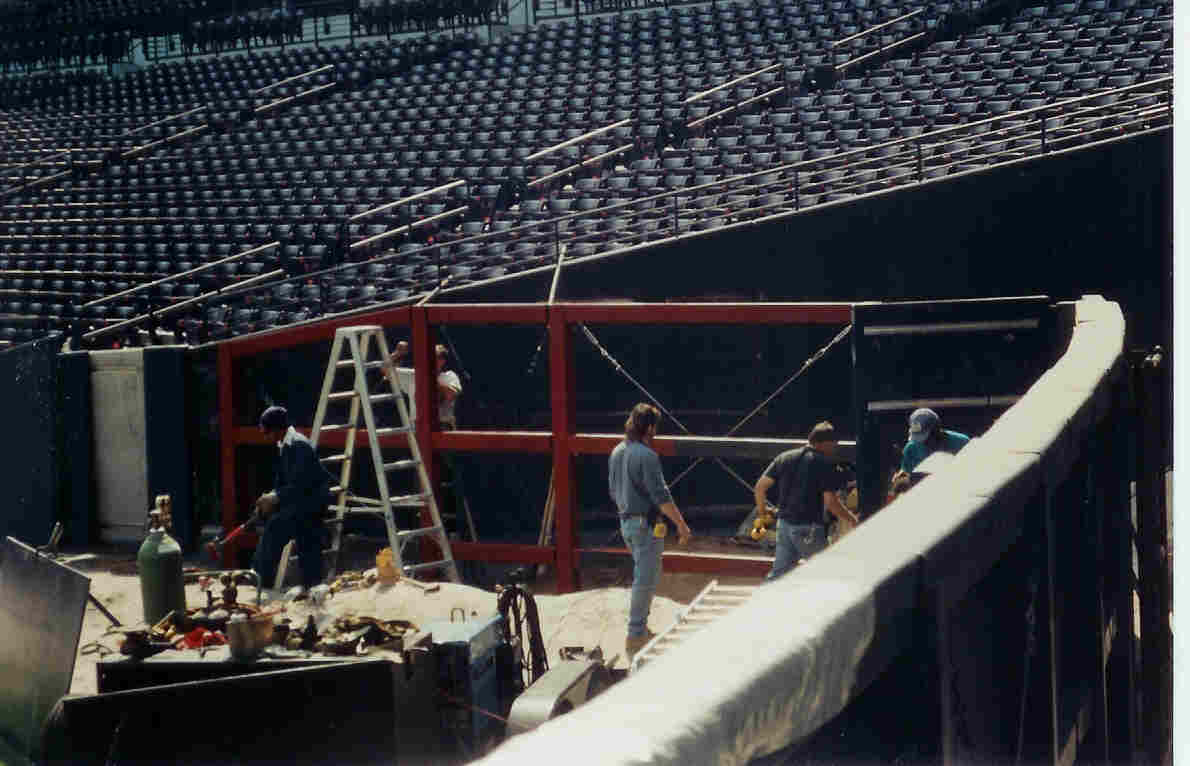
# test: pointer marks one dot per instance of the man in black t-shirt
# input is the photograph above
(806, 483)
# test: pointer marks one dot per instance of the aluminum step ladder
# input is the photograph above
(355, 351)
(712, 603)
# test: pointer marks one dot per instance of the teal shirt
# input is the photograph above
(915, 452)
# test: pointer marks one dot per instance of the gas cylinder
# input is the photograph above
(160, 564)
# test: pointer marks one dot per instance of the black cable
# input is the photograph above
(511, 597)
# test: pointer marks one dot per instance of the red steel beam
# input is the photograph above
(312, 332)
(562, 387)
(706, 313)
(701, 563)
(510, 553)
(227, 447)
(603, 444)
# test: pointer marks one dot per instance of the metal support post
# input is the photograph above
(425, 394)
(562, 389)
(1052, 649)
(1155, 636)
(946, 721)
(1122, 662)
(227, 447)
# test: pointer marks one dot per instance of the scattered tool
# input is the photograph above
(95, 647)
(215, 547)
(50, 549)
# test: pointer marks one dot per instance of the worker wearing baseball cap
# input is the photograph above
(294, 510)
(927, 436)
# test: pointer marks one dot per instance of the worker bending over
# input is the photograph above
(927, 436)
(449, 385)
(294, 510)
(640, 494)
(807, 483)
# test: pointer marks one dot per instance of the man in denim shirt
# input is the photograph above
(638, 487)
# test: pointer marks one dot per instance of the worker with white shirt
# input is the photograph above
(449, 385)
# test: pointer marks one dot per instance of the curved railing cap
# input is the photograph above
(793, 657)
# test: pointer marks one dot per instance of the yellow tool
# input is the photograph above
(659, 529)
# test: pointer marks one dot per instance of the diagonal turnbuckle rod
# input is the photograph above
(805, 366)
(620, 369)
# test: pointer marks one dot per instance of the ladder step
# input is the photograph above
(405, 534)
(334, 427)
(339, 396)
(333, 458)
(394, 430)
(409, 501)
(401, 465)
(344, 364)
(429, 565)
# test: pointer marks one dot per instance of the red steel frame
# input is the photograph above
(562, 442)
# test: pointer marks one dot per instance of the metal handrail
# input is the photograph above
(407, 227)
(162, 121)
(576, 140)
(388, 205)
(882, 50)
(722, 186)
(580, 165)
(180, 275)
(876, 28)
(289, 99)
(734, 107)
(730, 83)
(93, 334)
(279, 83)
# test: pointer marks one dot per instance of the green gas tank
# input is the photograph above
(160, 565)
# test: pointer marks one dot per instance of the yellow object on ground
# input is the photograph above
(385, 569)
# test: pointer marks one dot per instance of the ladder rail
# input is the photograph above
(692, 618)
(420, 466)
(359, 348)
(343, 495)
(328, 381)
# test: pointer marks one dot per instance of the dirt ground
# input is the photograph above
(595, 616)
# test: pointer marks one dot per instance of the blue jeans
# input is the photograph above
(795, 541)
(646, 557)
(301, 524)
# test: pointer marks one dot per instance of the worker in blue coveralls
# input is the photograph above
(927, 436)
(294, 509)
(641, 496)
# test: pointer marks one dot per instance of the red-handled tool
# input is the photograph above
(215, 547)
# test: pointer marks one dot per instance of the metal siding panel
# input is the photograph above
(41, 617)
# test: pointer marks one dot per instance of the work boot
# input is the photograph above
(634, 644)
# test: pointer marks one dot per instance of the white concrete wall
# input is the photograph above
(121, 464)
